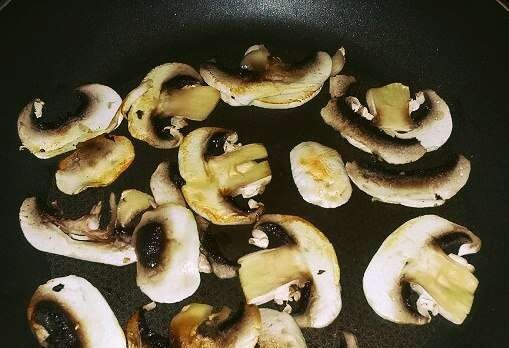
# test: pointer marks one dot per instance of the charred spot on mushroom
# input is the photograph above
(179, 82)
(276, 234)
(410, 297)
(139, 328)
(212, 249)
(298, 300)
(150, 244)
(162, 125)
(175, 176)
(61, 328)
(450, 243)
(215, 145)
(61, 110)
(220, 321)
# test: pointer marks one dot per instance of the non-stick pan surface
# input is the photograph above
(457, 48)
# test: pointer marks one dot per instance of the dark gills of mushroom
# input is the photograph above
(170, 93)
(268, 82)
(216, 169)
(140, 335)
(81, 238)
(306, 257)
(71, 312)
(412, 259)
(95, 163)
(427, 188)
(97, 115)
(198, 325)
(168, 248)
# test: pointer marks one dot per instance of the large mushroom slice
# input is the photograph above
(82, 238)
(265, 81)
(158, 107)
(304, 267)
(413, 259)
(95, 163)
(71, 312)
(279, 330)
(319, 174)
(216, 169)
(198, 325)
(427, 188)
(96, 115)
(168, 248)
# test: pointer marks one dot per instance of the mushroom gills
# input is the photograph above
(140, 335)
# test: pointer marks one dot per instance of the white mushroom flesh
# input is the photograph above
(279, 330)
(163, 188)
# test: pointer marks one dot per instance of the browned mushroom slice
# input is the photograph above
(140, 335)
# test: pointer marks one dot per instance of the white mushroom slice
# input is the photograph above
(96, 117)
(272, 83)
(279, 330)
(429, 188)
(319, 174)
(412, 257)
(338, 61)
(95, 163)
(172, 90)
(80, 239)
(307, 256)
(198, 326)
(212, 179)
(163, 188)
(132, 203)
(168, 249)
(71, 312)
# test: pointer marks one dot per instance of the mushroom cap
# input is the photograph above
(97, 118)
(93, 321)
(279, 330)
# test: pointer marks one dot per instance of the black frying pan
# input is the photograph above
(458, 48)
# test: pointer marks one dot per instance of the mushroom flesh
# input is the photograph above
(279, 330)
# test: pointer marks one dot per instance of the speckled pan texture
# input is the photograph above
(457, 48)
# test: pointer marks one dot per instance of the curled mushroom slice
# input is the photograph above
(82, 238)
(268, 82)
(413, 259)
(95, 116)
(71, 312)
(165, 185)
(304, 267)
(95, 163)
(427, 188)
(279, 330)
(167, 246)
(216, 169)
(198, 325)
(320, 175)
(158, 107)
(140, 335)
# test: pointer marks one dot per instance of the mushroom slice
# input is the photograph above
(96, 115)
(215, 169)
(168, 248)
(164, 185)
(279, 330)
(169, 93)
(307, 256)
(198, 325)
(338, 61)
(81, 239)
(268, 82)
(140, 335)
(428, 188)
(132, 205)
(412, 258)
(320, 175)
(339, 85)
(71, 312)
(95, 163)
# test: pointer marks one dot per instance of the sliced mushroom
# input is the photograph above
(169, 93)
(338, 61)
(268, 82)
(215, 169)
(168, 249)
(320, 175)
(97, 115)
(412, 259)
(140, 335)
(132, 205)
(340, 84)
(95, 163)
(80, 239)
(71, 312)
(198, 325)
(306, 257)
(279, 330)
(428, 188)
(163, 186)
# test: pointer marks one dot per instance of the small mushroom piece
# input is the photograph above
(132, 203)
(279, 330)
(216, 169)
(320, 175)
(71, 312)
(168, 248)
(427, 188)
(169, 93)
(163, 186)
(268, 82)
(339, 85)
(412, 259)
(338, 61)
(81, 239)
(198, 325)
(97, 115)
(140, 335)
(95, 163)
(306, 256)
